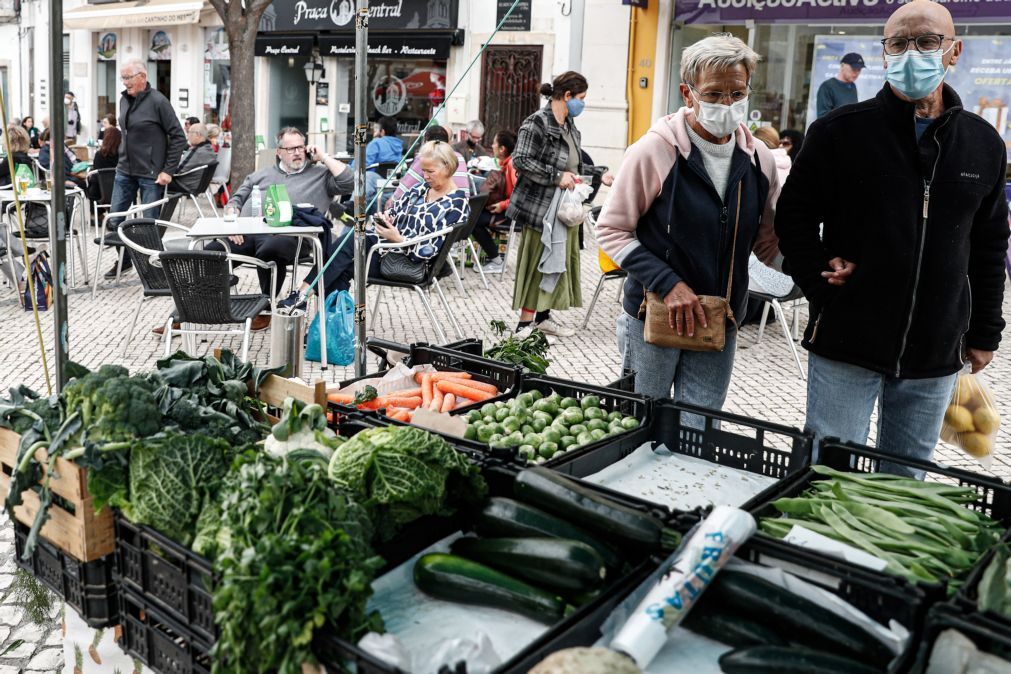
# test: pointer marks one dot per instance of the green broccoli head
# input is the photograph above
(79, 393)
(123, 409)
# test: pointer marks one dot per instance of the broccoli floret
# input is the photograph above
(48, 409)
(78, 394)
(124, 409)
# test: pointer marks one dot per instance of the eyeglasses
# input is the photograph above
(127, 78)
(928, 42)
(293, 150)
(719, 96)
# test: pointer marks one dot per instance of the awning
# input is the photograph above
(133, 14)
(390, 46)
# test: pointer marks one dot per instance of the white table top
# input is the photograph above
(209, 227)
(33, 194)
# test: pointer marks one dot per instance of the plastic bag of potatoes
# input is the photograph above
(971, 420)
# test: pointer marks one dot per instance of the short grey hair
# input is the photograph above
(136, 65)
(198, 129)
(289, 130)
(475, 126)
(718, 52)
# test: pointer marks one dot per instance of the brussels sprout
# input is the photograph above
(589, 401)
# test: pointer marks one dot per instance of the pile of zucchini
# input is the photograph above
(774, 630)
(551, 548)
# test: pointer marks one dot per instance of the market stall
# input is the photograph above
(210, 516)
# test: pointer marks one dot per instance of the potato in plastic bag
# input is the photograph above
(971, 420)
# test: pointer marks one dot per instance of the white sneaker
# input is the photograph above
(495, 266)
(549, 327)
(525, 332)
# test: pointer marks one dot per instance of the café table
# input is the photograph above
(44, 197)
(220, 228)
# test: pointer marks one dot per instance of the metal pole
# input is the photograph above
(361, 131)
(58, 221)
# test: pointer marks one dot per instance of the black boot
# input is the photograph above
(127, 266)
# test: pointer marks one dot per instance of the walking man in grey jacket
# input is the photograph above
(152, 143)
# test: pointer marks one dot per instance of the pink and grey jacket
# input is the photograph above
(664, 221)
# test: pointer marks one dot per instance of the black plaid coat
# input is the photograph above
(540, 156)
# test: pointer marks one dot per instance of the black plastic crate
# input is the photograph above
(994, 496)
(882, 599)
(166, 574)
(988, 637)
(626, 382)
(731, 440)
(88, 587)
(161, 643)
(578, 628)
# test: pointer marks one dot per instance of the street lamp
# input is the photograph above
(314, 70)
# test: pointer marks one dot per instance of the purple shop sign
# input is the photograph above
(834, 11)
(642, 4)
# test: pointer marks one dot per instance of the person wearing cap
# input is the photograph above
(894, 223)
(840, 90)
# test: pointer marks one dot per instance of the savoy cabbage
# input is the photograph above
(401, 473)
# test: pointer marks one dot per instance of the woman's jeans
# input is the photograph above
(841, 397)
(698, 377)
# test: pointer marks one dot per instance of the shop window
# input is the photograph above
(107, 84)
(217, 76)
(288, 103)
(159, 57)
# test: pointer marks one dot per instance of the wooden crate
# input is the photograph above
(81, 533)
(275, 389)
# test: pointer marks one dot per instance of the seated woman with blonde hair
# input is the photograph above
(434, 204)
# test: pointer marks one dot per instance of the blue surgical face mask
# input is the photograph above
(915, 74)
(575, 106)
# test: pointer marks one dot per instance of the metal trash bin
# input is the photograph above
(287, 342)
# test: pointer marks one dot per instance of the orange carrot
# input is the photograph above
(426, 390)
(479, 385)
(439, 376)
(398, 413)
(407, 393)
(461, 391)
(340, 398)
(396, 400)
(448, 402)
(437, 398)
(329, 417)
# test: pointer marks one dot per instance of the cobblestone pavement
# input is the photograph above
(766, 382)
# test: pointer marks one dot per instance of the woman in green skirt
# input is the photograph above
(547, 157)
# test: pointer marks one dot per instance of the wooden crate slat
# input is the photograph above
(69, 480)
(275, 389)
(84, 535)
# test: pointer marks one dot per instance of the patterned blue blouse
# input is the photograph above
(413, 216)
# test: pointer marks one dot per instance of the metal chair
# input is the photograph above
(200, 281)
(796, 296)
(461, 246)
(105, 179)
(591, 221)
(175, 192)
(143, 239)
(431, 278)
(103, 240)
(223, 173)
(75, 201)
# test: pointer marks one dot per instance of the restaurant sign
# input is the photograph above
(842, 11)
(338, 15)
(395, 46)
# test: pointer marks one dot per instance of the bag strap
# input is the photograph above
(733, 247)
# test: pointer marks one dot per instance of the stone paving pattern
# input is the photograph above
(766, 383)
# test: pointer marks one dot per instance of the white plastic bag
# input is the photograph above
(971, 420)
(570, 205)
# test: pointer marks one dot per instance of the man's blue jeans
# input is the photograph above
(841, 397)
(124, 193)
(698, 377)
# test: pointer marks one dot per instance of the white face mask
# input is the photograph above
(721, 120)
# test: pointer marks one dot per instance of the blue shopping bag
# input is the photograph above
(340, 330)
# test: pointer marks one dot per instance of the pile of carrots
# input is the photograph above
(438, 391)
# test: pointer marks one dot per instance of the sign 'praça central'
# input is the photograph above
(338, 15)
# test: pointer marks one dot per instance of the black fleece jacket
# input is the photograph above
(925, 222)
(153, 140)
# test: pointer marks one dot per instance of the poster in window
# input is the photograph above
(389, 95)
(323, 93)
(982, 76)
(161, 47)
(107, 47)
(216, 48)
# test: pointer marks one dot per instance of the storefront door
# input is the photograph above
(159, 55)
(289, 94)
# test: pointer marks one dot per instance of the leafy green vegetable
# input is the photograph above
(296, 560)
(530, 352)
(401, 473)
(301, 428)
(169, 479)
(365, 395)
(992, 593)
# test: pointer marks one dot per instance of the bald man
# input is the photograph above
(907, 280)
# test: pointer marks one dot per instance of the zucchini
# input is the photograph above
(552, 563)
(806, 623)
(506, 517)
(729, 629)
(564, 497)
(463, 581)
(789, 660)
